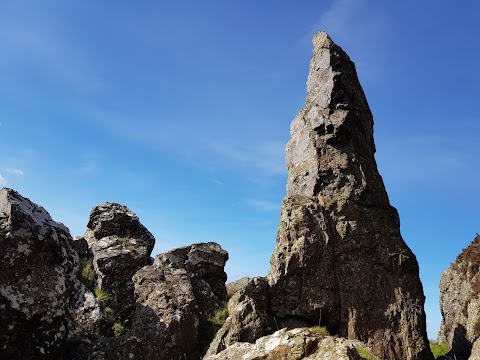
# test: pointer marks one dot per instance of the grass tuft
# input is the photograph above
(320, 330)
(220, 316)
(438, 349)
(101, 296)
(366, 353)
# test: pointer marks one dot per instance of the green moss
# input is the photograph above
(101, 296)
(366, 353)
(320, 330)
(118, 329)
(438, 349)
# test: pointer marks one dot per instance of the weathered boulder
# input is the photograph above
(120, 245)
(340, 259)
(38, 285)
(174, 297)
(296, 344)
(237, 285)
(204, 262)
(460, 303)
(115, 219)
(249, 317)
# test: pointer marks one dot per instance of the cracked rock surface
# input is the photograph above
(340, 258)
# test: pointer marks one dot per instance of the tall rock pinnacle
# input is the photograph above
(340, 259)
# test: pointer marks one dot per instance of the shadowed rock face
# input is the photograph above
(249, 316)
(38, 286)
(340, 259)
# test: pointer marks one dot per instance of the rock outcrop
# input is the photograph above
(249, 316)
(101, 296)
(460, 304)
(39, 291)
(175, 296)
(340, 259)
(296, 344)
(236, 285)
(119, 246)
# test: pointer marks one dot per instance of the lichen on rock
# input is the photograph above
(340, 259)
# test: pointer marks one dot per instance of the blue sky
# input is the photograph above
(181, 111)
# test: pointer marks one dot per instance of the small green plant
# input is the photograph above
(220, 316)
(118, 329)
(438, 349)
(320, 330)
(101, 295)
(366, 353)
(110, 314)
(86, 274)
(126, 242)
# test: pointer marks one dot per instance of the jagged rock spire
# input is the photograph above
(340, 259)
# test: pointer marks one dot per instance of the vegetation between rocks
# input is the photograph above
(86, 275)
(438, 349)
(366, 353)
(219, 317)
(320, 330)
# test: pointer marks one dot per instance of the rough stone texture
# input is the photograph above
(120, 245)
(475, 350)
(293, 344)
(460, 303)
(38, 285)
(205, 264)
(89, 316)
(236, 285)
(115, 219)
(174, 297)
(340, 259)
(249, 317)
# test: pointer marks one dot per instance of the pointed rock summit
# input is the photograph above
(340, 260)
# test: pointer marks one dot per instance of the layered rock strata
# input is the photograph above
(460, 304)
(340, 260)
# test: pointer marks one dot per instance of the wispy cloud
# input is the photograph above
(264, 205)
(267, 157)
(34, 42)
(3, 181)
(15, 171)
(421, 158)
(360, 30)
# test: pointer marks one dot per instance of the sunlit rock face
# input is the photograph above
(38, 287)
(460, 304)
(119, 246)
(340, 259)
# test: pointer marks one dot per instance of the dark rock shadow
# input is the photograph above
(461, 347)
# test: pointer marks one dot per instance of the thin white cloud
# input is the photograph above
(35, 41)
(3, 181)
(15, 171)
(266, 157)
(361, 31)
(263, 205)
